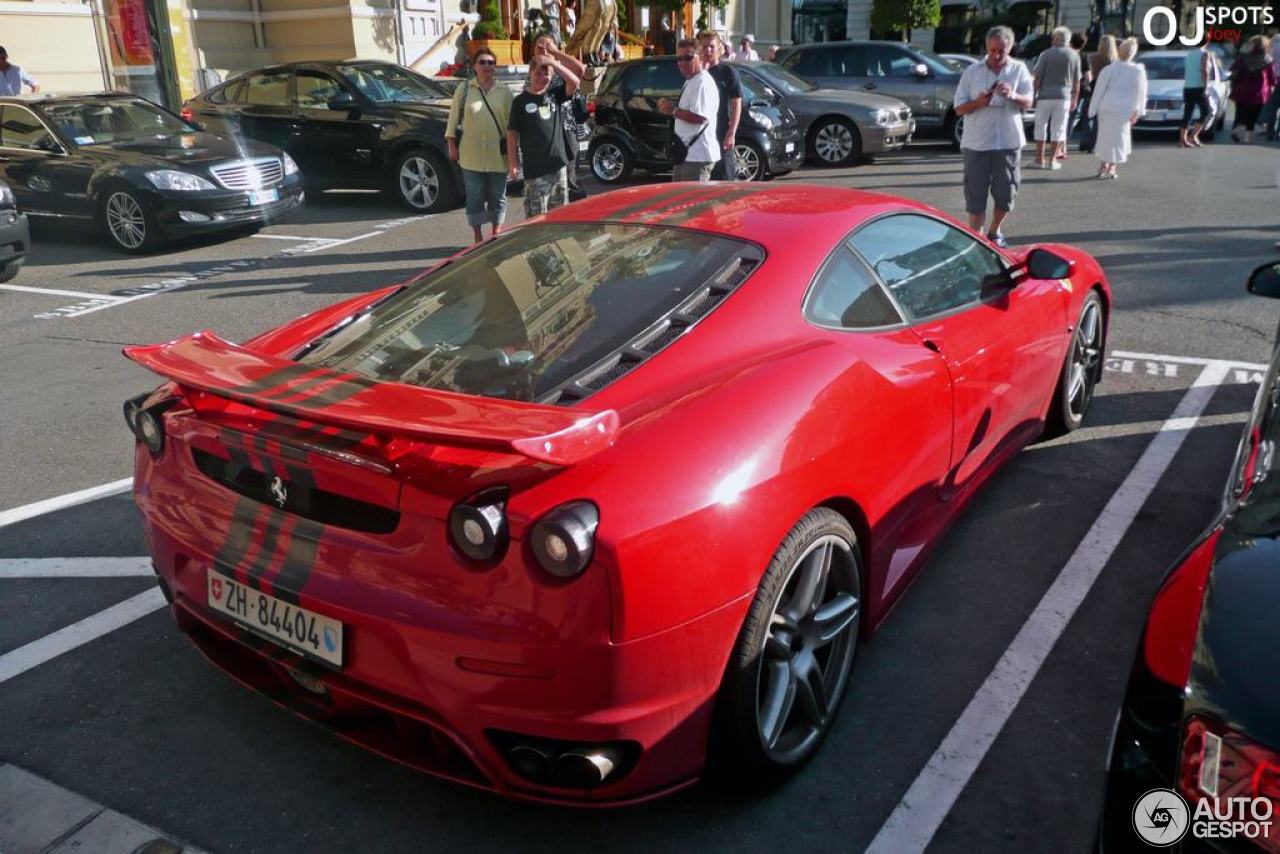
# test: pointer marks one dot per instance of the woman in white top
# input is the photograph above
(1119, 98)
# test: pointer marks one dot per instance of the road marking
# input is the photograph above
(74, 567)
(931, 796)
(1187, 360)
(178, 282)
(291, 237)
(61, 502)
(79, 633)
(57, 293)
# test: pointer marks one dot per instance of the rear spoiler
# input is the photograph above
(320, 395)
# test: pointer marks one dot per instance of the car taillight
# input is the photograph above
(187, 114)
(1218, 764)
(1170, 635)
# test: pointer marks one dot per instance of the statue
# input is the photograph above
(594, 19)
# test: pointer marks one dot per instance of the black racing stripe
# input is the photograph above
(303, 387)
(299, 561)
(656, 199)
(682, 216)
(337, 438)
(244, 518)
(267, 549)
(276, 378)
(349, 386)
(702, 193)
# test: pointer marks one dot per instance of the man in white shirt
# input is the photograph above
(747, 49)
(13, 78)
(991, 96)
(695, 115)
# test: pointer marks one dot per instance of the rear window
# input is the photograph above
(521, 316)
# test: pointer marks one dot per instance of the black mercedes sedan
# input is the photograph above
(1195, 758)
(145, 175)
(14, 237)
(354, 125)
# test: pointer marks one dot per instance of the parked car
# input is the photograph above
(630, 131)
(1165, 76)
(923, 80)
(839, 126)
(615, 489)
(14, 236)
(356, 124)
(1201, 716)
(961, 61)
(145, 175)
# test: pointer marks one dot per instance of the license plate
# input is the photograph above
(262, 197)
(312, 635)
(789, 147)
(583, 144)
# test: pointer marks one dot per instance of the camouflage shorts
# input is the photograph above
(546, 192)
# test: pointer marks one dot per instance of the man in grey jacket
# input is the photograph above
(1057, 87)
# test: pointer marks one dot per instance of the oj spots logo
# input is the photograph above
(1160, 817)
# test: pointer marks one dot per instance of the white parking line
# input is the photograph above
(80, 633)
(931, 796)
(61, 502)
(57, 293)
(1186, 360)
(74, 567)
(292, 237)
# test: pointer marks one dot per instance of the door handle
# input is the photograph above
(933, 345)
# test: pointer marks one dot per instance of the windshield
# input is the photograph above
(99, 122)
(1163, 67)
(520, 316)
(391, 83)
(937, 63)
(782, 79)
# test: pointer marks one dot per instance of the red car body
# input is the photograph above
(700, 460)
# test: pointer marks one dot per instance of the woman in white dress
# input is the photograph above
(1119, 98)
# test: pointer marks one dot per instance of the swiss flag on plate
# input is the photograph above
(216, 587)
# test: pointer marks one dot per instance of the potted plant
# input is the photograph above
(489, 32)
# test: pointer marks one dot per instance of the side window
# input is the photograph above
(888, 61)
(845, 294)
(233, 92)
(817, 62)
(314, 90)
(267, 90)
(930, 267)
(655, 80)
(851, 61)
(19, 128)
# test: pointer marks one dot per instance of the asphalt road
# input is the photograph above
(136, 719)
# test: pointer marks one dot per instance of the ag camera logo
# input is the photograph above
(1161, 817)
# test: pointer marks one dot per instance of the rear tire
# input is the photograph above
(423, 182)
(611, 162)
(955, 130)
(1081, 370)
(8, 271)
(749, 162)
(784, 682)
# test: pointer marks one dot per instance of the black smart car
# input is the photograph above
(141, 172)
(14, 237)
(1195, 758)
(358, 124)
(631, 131)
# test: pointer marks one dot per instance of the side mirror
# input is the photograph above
(1043, 264)
(759, 103)
(1265, 281)
(342, 102)
(920, 70)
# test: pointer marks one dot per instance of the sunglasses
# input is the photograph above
(485, 62)
(686, 58)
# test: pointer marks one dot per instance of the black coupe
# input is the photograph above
(143, 173)
(358, 124)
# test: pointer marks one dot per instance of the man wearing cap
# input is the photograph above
(12, 78)
(747, 49)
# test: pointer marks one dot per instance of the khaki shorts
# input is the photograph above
(996, 172)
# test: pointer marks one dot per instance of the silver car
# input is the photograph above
(839, 125)
(1165, 76)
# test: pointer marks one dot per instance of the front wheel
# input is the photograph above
(749, 162)
(8, 271)
(422, 181)
(791, 663)
(1080, 371)
(836, 142)
(955, 130)
(611, 163)
(128, 221)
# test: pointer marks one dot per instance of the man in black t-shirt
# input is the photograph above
(730, 86)
(536, 130)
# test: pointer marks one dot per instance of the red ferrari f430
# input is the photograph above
(614, 495)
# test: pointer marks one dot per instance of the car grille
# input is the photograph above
(1163, 104)
(249, 174)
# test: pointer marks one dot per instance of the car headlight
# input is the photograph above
(290, 167)
(761, 118)
(6, 197)
(172, 179)
(884, 118)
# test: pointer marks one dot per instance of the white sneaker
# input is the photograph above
(1054, 165)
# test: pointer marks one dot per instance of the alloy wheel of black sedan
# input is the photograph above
(420, 181)
(128, 222)
(748, 162)
(610, 162)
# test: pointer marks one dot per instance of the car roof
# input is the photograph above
(795, 220)
(846, 43)
(35, 99)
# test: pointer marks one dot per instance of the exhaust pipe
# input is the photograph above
(530, 761)
(584, 770)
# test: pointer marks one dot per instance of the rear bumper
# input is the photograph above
(411, 690)
(181, 214)
(15, 237)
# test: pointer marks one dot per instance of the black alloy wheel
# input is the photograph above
(791, 663)
(128, 220)
(835, 141)
(422, 181)
(1080, 371)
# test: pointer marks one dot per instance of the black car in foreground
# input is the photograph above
(631, 131)
(14, 237)
(141, 172)
(1195, 759)
(352, 125)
